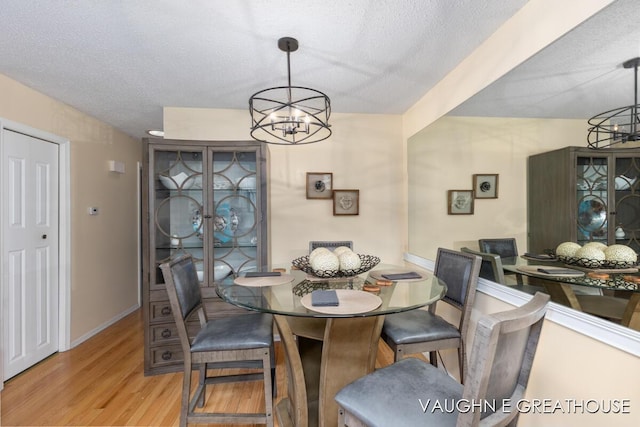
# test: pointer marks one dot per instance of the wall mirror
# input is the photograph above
(575, 78)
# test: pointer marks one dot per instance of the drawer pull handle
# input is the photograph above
(167, 355)
(166, 333)
(166, 310)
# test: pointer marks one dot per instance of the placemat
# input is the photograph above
(535, 269)
(263, 281)
(351, 302)
(377, 274)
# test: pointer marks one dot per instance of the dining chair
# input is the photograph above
(292, 410)
(407, 392)
(329, 244)
(241, 341)
(491, 267)
(505, 247)
(419, 331)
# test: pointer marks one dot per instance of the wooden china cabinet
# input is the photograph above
(209, 199)
(580, 194)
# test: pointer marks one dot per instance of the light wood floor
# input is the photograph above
(101, 383)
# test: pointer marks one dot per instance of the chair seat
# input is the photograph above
(404, 387)
(417, 326)
(235, 333)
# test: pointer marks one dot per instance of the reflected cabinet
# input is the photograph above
(581, 195)
(207, 199)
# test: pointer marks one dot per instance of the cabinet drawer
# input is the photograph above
(166, 355)
(167, 333)
(160, 311)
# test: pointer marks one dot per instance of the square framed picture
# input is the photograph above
(460, 202)
(346, 202)
(319, 185)
(485, 186)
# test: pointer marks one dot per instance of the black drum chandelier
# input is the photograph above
(289, 115)
(620, 125)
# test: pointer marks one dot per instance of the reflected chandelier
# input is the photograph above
(289, 115)
(617, 126)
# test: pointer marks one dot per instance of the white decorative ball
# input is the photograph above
(341, 249)
(325, 262)
(567, 249)
(590, 252)
(317, 251)
(597, 245)
(620, 253)
(349, 261)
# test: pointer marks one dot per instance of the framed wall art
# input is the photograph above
(319, 185)
(460, 202)
(485, 186)
(346, 202)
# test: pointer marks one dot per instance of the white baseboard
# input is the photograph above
(104, 326)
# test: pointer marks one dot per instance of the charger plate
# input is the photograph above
(256, 282)
(377, 274)
(351, 302)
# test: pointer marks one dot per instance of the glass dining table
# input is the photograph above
(336, 344)
(623, 284)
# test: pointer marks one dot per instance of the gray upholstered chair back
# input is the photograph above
(501, 359)
(456, 270)
(182, 283)
(314, 244)
(491, 268)
(506, 247)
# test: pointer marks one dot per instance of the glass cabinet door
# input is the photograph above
(176, 202)
(235, 221)
(592, 199)
(627, 201)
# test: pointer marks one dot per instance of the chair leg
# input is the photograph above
(202, 381)
(186, 391)
(433, 358)
(398, 354)
(462, 363)
(267, 373)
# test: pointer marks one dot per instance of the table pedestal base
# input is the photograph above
(346, 351)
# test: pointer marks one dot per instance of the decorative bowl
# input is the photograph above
(367, 262)
(593, 263)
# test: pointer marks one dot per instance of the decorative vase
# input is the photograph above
(619, 233)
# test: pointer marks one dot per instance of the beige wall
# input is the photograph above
(104, 270)
(445, 155)
(364, 152)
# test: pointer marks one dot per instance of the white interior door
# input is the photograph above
(30, 232)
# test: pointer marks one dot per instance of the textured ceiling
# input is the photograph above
(123, 61)
(576, 77)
